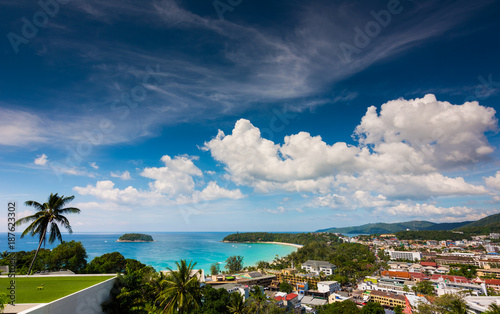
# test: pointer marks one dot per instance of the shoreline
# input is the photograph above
(269, 242)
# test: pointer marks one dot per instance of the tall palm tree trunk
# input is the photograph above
(36, 253)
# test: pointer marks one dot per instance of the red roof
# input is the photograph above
(433, 264)
(419, 276)
(451, 278)
(288, 297)
(493, 281)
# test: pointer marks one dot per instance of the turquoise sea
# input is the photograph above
(205, 248)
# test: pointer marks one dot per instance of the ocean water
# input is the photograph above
(204, 248)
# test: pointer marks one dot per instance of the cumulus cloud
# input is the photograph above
(333, 201)
(438, 134)
(401, 153)
(213, 191)
(105, 190)
(175, 178)
(404, 209)
(493, 182)
(124, 175)
(41, 160)
(297, 164)
(94, 165)
(172, 184)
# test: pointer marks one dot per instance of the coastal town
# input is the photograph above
(411, 274)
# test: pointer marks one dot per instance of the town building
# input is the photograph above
(328, 286)
(387, 299)
(404, 255)
(316, 267)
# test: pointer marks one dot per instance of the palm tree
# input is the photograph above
(182, 291)
(237, 304)
(259, 298)
(46, 219)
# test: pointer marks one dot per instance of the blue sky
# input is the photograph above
(250, 115)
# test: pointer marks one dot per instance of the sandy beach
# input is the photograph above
(281, 243)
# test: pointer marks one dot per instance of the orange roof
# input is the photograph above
(492, 281)
(288, 297)
(399, 274)
(433, 264)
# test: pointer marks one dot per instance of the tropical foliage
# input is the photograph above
(345, 307)
(181, 289)
(234, 264)
(67, 255)
(136, 237)
(445, 304)
(297, 238)
(46, 220)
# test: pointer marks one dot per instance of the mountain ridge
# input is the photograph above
(414, 225)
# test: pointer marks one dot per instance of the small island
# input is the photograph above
(135, 237)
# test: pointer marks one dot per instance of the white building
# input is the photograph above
(315, 267)
(412, 256)
(328, 286)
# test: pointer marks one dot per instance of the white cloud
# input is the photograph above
(105, 190)
(173, 184)
(20, 128)
(279, 210)
(106, 206)
(438, 134)
(175, 178)
(427, 210)
(401, 153)
(419, 186)
(297, 164)
(124, 176)
(94, 165)
(41, 160)
(213, 191)
(331, 200)
(493, 182)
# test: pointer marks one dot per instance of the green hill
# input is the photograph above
(377, 228)
(486, 221)
(382, 227)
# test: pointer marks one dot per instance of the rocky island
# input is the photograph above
(135, 237)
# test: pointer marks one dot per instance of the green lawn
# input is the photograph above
(54, 287)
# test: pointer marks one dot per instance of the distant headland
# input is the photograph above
(135, 237)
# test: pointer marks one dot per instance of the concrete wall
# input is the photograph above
(86, 301)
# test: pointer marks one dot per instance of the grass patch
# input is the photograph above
(54, 287)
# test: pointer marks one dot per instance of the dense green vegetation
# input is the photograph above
(67, 255)
(353, 260)
(486, 221)
(433, 235)
(54, 287)
(296, 238)
(234, 264)
(138, 237)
